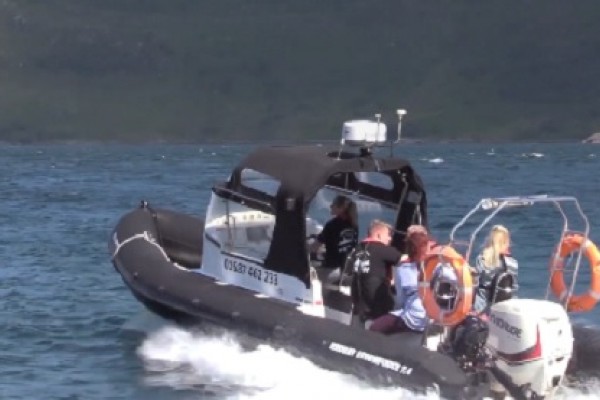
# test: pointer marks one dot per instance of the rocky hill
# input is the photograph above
(280, 69)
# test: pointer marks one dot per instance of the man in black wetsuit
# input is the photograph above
(373, 261)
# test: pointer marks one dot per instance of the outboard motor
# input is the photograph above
(532, 343)
(467, 342)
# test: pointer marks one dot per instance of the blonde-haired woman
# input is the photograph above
(495, 269)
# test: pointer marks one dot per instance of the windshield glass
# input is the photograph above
(320, 212)
(259, 181)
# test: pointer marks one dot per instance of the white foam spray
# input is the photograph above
(183, 360)
(217, 363)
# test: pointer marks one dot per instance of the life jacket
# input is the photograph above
(361, 258)
(501, 286)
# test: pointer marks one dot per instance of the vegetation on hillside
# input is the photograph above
(280, 69)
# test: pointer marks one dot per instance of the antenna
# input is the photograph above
(401, 113)
(366, 149)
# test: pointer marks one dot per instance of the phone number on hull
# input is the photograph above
(261, 275)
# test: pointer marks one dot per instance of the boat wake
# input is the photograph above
(216, 363)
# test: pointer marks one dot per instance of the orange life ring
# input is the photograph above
(570, 244)
(446, 255)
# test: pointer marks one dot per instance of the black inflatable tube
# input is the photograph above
(187, 297)
(183, 295)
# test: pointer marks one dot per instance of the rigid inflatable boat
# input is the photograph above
(246, 266)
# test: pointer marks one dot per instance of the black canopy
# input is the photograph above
(302, 171)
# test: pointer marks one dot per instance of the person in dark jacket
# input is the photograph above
(339, 235)
(372, 263)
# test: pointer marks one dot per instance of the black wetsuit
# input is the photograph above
(371, 289)
(339, 237)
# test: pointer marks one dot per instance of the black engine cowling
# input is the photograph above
(467, 342)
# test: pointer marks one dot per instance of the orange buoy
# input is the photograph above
(570, 244)
(440, 256)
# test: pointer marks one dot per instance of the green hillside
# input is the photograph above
(281, 69)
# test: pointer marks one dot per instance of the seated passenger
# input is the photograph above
(339, 235)
(495, 269)
(409, 313)
(372, 262)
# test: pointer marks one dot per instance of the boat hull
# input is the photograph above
(153, 250)
(158, 254)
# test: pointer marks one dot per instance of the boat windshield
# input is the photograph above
(368, 209)
(259, 181)
(237, 226)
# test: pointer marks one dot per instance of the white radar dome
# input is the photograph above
(364, 132)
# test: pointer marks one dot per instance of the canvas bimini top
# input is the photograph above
(301, 172)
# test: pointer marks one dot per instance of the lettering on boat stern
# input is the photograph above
(502, 324)
(377, 360)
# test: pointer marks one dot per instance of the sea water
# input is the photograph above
(69, 327)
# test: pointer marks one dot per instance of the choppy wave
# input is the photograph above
(532, 155)
(435, 160)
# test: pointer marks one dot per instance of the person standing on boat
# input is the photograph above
(372, 262)
(409, 313)
(495, 269)
(339, 235)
